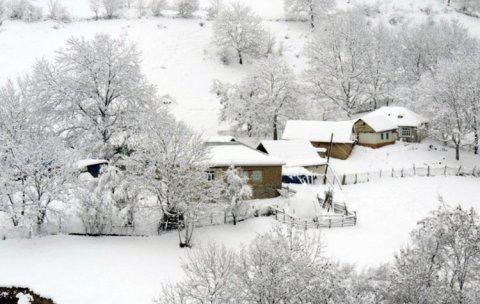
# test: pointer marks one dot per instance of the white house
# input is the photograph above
(411, 127)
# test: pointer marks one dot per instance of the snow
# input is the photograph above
(24, 298)
(402, 156)
(294, 152)
(319, 131)
(221, 139)
(399, 116)
(379, 123)
(237, 154)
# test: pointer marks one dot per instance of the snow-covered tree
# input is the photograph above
(58, 11)
(235, 191)
(172, 161)
(25, 10)
(3, 11)
(107, 201)
(214, 8)
(310, 10)
(237, 27)
(94, 93)
(141, 6)
(186, 8)
(34, 164)
(209, 278)
(95, 6)
(112, 7)
(338, 62)
(442, 263)
(263, 101)
(156, 7)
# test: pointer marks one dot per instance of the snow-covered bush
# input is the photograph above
(238, 28)
(235, 190)
(307, 10)
(3, 12)
(58, 11)
(186, 8)
(156, 7)
(25, 10)
(112, 7)
(214, 8)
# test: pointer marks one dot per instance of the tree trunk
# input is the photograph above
(312, 18)
(234, 217)
(275, 128)
(448, 3)
(457, 151)
(240, 57)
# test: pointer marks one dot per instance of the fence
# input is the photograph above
(345, 219)
(363, 177)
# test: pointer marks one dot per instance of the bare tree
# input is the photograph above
(156, 7)
(95, 6)
(238, 28)
(235, 191)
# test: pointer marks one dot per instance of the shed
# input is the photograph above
(92, 166)
(295, 153)
(411, 127)
(375, 131)
(319, 134)
(264, 172)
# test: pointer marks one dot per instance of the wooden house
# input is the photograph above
(375, 131)
(264, 172)
(319, 133)
(411, 127)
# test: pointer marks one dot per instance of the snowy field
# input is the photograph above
(74, 269)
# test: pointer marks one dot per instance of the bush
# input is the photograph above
(25, 10)
(186, 8)
(156, 7)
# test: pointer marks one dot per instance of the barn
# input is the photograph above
(319, 133)
(302, 162)
(264, 172)
(411, 127)
(375, 131)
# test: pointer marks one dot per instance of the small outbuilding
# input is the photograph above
(92, 166)
(264, 172)
(411, 127)
(319, 133)
(302, 162)
(375, 131)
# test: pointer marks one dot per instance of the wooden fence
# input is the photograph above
(345, 219)
(424, 171)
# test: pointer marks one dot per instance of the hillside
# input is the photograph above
(178, 56)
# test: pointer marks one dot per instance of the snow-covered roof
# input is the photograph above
(90, 162)
(299, 152)
(295, 171)
(220, 138)
(233, 153)
(379, 123)
(400, 116)
(319, 131)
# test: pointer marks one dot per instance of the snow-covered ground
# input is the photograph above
(402, 156)
(73, 269)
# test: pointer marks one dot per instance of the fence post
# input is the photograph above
(428, 171)
(343, 218)
(368, 176)
(473, 171)
(356, 178)
(401, 173)
(445, 171)
(211, 219)
(306, 225)
(225, 217)
(393, 172)
(380, 173)
(344, 180)
(283, 215)
(414, 171)
(329, 223)
(459, 169)
(355, 218)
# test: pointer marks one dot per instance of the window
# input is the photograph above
(381, 136)
(257, 176)
(406, 132)
(210, 175)
(387, 135)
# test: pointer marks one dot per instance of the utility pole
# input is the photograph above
(329, 152)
